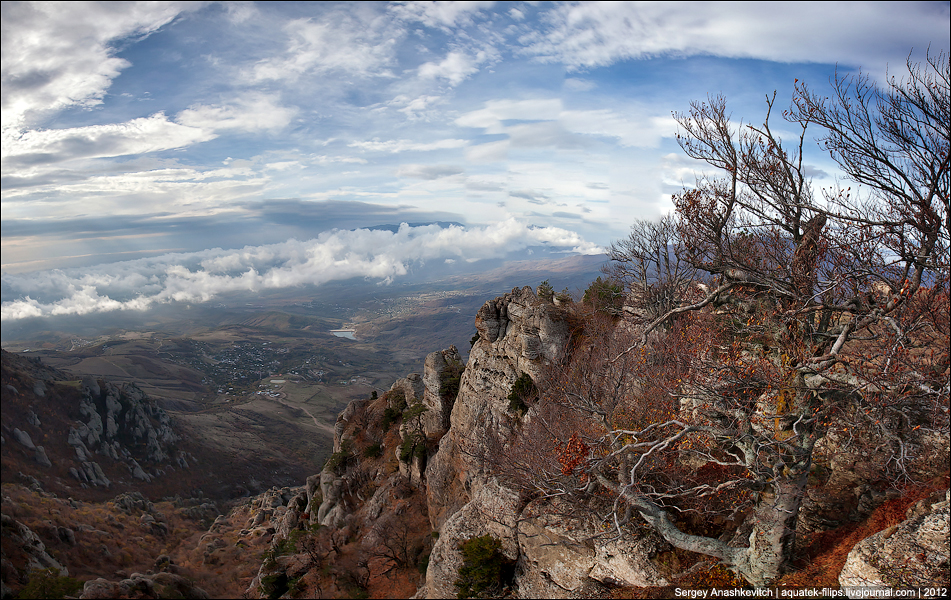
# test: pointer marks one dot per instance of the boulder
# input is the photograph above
(159, 585)
(41, 458)
(23, 438)
(913, 553)
(561, 554)
(491, 511)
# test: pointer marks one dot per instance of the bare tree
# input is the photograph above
(393, 544)
(650, 263)
(814, 308)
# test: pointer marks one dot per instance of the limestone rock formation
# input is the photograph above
(97, 419)
(30, 543)
(159, 585)
(561, 554)
(518, 333)
(913, 553)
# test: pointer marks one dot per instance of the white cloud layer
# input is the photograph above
(138, 136)
(394, 146)
(336, 255)
(595, 34)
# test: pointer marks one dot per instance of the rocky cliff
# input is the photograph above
(553, 556)
(549, 550)
(90, 431)
(408, 496)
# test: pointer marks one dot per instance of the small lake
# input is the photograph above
(344, 333)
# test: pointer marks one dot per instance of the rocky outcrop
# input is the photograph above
(438, 400)
(848, 463)
(31, 545)
(97, 419)
(518, 333)
(116, 419)
(561, 554)
(913, 553)
(159, 585)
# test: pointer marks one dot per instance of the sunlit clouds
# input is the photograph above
(379, 255)
(160, 131)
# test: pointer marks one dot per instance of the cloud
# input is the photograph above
(200, 123)
(456, 67)
(440, 14)
(57, 55)
(549, 124)
(481, 185)
(138, 136)
(358, 43)
(200, 276)
(495, 112)
(630, 130)
(596, 34)
(428, 172)
(416, 108)
(544, 134)
(256, 112)
(394, 146)
(531, 195)
(324, 159)
(489, 152)
(575, 84)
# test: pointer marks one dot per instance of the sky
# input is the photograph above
(167, 152)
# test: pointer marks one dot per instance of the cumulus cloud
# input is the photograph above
(200, 276)
(59, 54)
(256, 112)
(455, 68)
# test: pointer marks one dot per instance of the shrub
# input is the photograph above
(47, 583)
(413, 445)
(423, 564)
(605, 295)
(397, 399)
(374, 450)
(338, 460)
(545, 291)
(523, 389)
(481, 572)
(274, 585)
(390, 416)
(414, 411)
(449, 378)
